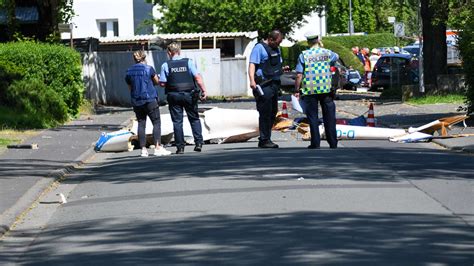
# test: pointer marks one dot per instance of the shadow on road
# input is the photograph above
(271, 239)
(356, 163)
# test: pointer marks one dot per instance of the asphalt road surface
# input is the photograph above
(366, 203)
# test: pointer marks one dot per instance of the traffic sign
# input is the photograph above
(399, 29)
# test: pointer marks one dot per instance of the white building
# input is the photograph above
(109, 18)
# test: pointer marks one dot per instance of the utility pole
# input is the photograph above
(320, 15)
(351, 26)
(421, 78)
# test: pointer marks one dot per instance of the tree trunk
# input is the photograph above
(434, 16)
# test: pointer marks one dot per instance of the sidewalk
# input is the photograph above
(27, 173)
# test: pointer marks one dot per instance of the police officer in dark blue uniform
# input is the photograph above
(265, 69)
(141, 79)
(178, 76)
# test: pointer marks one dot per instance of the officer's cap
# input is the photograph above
(311, 35)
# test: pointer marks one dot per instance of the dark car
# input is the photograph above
(393, 70)
(339, 77)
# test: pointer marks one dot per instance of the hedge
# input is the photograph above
(370, 41)
(290, 54)
(52, 75)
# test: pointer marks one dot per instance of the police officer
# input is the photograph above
(265, 69)
(313, 81)
(178, 76)
(141, 79)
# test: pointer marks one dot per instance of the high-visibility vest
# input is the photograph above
(317, 71)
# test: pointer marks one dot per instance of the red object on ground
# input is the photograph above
(341, 121)
(284, 110)
(371, 116)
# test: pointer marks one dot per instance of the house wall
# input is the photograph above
(89, 12)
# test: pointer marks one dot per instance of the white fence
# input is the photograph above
(234, 76)
(104, 74)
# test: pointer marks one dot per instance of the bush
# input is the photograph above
(39, 105)
(345, 54)
(9, 72)
(59, 68)
(370, 40)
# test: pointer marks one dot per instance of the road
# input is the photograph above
(368, 202)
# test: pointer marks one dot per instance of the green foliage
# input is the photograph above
(466, 47)
(363, 16)
(433, 99)
(369, 41)
(9, 72)
(181, 16)
(460, 12)
(58, 67)
(345, 54)
(40, 105)
(370, 16)
(42, 83)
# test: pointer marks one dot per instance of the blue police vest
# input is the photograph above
(272, 67)
(179, 78)
(143, 90)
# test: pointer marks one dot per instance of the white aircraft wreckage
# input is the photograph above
(422, 133)
(238, 125)
(218, 126)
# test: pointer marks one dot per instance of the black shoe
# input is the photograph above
(313, 147)
(198, 147)
(180, 150)
(267, 145)
(333, 147)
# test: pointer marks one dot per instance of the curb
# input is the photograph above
(10, 217)
(22, 206)
(454, 148)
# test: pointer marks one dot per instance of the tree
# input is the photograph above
(462, 18)
(184, 16)
(434, 14)
(371, 15)
(50, 12)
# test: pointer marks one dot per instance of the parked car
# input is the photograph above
(414, 50)
(394, 70)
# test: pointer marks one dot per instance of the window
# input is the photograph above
(116, 29)
(108, 28)
(103, 29)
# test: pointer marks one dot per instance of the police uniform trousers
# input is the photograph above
(177, 101)
(267, 107)
(329, 118)
(152, 110)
